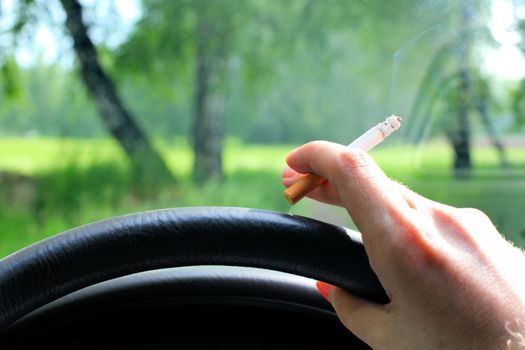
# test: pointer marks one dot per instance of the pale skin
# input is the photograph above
(453, 280)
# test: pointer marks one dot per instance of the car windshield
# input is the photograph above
(114, 107)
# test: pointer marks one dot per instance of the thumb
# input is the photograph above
(363, 318)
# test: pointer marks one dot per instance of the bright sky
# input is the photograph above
(129, 9)
(47, 42)
(505, 62)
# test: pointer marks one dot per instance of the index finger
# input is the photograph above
(371, 198)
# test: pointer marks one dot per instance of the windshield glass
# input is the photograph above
(114, 107)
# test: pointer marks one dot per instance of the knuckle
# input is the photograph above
(354, 158)
(472, 224)
(473, 215)
(312, 150)
(462, 222)
(408, 239)
(415, 242)
(309, 146)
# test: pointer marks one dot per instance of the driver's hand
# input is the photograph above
(453, 280)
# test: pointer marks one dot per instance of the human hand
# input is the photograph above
(454, 282)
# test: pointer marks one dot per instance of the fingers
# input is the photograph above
(367, 320)
(354, 181)
(325, 193)
(309, 158)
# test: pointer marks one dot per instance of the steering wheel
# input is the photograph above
(197, 277)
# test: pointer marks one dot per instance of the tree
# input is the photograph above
(518, 98)
(212, 46)
(207, 37)
(193, 36)
(147, 163)
(458, 92)
(460, 139)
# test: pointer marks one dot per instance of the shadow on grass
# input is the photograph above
(79, 194)
(242, 188)
(68, 190)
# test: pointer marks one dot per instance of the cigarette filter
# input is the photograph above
(367, 141)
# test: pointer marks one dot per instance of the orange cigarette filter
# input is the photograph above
(306, 184)
(309, 182)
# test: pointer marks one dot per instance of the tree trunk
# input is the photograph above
(491, 132)
(147, 163)
(208, 127)
(461, 138)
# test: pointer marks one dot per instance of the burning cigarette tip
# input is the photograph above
(367, 141)
(394, 121)
(390, 125)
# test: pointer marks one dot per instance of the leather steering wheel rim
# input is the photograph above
(72, 260)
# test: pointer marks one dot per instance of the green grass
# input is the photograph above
(81, 181)
(499, 192)
(73, 182)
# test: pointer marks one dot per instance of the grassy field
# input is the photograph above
(50, 185)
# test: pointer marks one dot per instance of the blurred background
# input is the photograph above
(112, 107)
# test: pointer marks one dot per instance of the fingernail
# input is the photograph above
(289, 177)
(289, 172)
(325, 289)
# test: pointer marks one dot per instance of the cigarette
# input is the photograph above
(367, 141)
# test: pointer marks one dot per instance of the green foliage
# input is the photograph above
(25, 15)
(69, 189)
(518, 104)
(453, 81)
(518, 93)
(295, 71)
(81, 181)
(53, 102)
(299, 63)
(11, 78)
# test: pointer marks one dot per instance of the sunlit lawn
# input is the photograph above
(81, 181)
(32, 156)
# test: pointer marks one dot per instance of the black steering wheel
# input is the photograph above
(197, 277)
